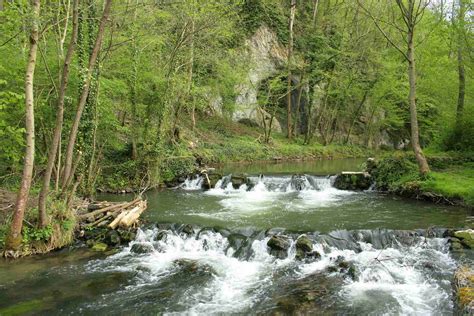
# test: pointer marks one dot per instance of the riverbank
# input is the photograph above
(450, 180)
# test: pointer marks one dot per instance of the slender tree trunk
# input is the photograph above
(461, 69)
(190, 74)
(59, 121)
(361, 104)
(83, 97)
(415, 138)
(133, 87)
(14, 237)
(290, 57)
(315, 11)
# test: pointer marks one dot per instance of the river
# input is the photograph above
(376, 253)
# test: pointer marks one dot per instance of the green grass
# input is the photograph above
(455, 182)
(452, 176)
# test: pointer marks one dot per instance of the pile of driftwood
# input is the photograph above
(112, 214)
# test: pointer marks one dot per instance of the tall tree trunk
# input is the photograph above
(415, 138)
(461, 70)
(290, 57)
(14, 237)
(59, 120)
(190, 73)
(83, 97)
(133, 86)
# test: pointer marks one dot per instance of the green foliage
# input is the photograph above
(392, 172)
(461, 136)
(36, 234)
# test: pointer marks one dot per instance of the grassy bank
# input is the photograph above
(451, 179)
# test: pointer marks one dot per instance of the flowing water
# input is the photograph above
(377, 254)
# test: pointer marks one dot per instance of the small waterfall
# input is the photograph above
(212, 270)
(192, 184)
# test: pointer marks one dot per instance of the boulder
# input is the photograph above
(356, 181)
(141, 248)
(304, 247)
(466, 237)
(278, 246)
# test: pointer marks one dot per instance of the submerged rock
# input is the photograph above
(466, 237)
(356, 181)
(142, 248)
(279, 246)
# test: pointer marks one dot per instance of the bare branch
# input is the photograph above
(382, 31)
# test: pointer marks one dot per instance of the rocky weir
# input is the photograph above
(217, 270)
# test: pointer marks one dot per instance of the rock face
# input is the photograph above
(466, 237)
(279, 246)
(356, 181)
(266, 55)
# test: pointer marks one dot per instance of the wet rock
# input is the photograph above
(304, 243)
(141, 248)
(193, 267)
(356, 181)
(162, 236)
(240, 244)
(455, 244)
(112, 238)
(298, 182)
(210, 180)
(279, 246)
(99, 246)
(466, 237)
(239, 180)
(344, 267)
(188, 230)
(304, 246)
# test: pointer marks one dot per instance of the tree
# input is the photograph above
(14, 238)
(53, 150)
(411, 13)
(460, 32)
(67, 173)
(290, 56)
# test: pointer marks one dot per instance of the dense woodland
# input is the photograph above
(98, 93)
